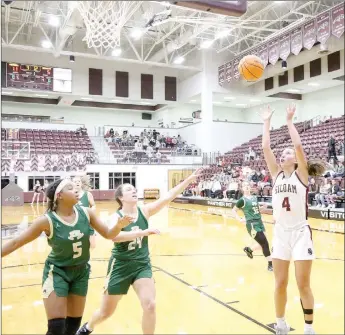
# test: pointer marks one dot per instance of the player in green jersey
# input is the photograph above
(255, 227)
(130, 261)
(66, 271)
(82, 184)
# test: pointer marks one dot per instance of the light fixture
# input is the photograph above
(241, 105)
(222, 33)
(54, 21)
(136, 33)
(119, 101)
(293, 90)
(255, 100)
(217, 102)
(229, 98)
(46, 44)
(179, 60)
(313, 84)
(192, 101)
(42, 95)
(278, 2)
(6, 92)
(86, 99)
(116, 52)
(146, 103)
(206, 44)
(284, 64)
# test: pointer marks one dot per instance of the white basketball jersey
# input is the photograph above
(289, 201)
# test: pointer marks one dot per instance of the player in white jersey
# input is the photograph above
(292, 238)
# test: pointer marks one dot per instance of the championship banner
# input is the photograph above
(323, 27)
(221, 75)
(296, 41)
(228, 72)
(338, 20)
(236, 73)
(285, 47)
(309, 34)
(273, 52)
(263, 54)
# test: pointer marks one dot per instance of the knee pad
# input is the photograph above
(72, 325)
(307, 311)
(56, 326)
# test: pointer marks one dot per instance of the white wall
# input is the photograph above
(324, 103)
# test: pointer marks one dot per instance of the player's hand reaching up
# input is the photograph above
(152, 231)
(266, 113)
(290, 112)
(196, 174)
(125, 221)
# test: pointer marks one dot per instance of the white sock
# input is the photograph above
(88, 328)
(281, 323)
(308, 326)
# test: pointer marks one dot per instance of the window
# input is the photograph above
(94, 180)
(118, 178)
(6, 180)
(41, 179)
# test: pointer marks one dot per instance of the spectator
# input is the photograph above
(331, 149)
(208, 188)
(232, 191)
(335, 192)
(320, 197)
(339, 170)
(313, 189)
(158, 156)
(111, 132)
(216, 188)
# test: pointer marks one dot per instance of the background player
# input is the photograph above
(66, 271)
(255, 227)
(130, 261)
(292, 234)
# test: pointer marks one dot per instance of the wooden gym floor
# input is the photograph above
(205, 283)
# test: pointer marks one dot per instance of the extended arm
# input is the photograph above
(91, 200)
(266, 143)
(34, 231)
(296, 140)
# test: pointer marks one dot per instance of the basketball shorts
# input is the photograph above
(294, 245)
(65, 280)
(122, 274)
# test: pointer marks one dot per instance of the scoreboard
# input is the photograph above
(36, 77)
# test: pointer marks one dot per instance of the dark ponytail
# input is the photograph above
(118, 194)
(317, 167)
(50, 192)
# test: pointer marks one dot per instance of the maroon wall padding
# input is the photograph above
(107, 195)
(95, 81)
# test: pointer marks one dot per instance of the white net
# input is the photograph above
(104, 21)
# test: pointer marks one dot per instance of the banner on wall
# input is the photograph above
(319, 29)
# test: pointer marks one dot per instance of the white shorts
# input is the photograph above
(294, 245)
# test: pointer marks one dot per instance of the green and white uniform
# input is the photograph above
(130, 260)
(66, 269)
(251, 211)
(84, 201)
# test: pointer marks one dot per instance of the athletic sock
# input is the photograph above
(88, 327)
(270, 263)
(281, 323)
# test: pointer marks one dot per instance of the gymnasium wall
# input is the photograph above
(325, 103)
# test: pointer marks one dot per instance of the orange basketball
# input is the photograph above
(251, 68)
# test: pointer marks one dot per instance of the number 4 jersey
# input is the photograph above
(137, 249)
(289, 201)
(69, 241)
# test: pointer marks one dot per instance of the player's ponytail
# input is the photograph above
(317, 167)
(118, 194)
(50, 192)
(85, 182)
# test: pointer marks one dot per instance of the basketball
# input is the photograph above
(251, 68)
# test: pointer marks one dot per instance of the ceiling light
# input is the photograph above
(279, 2)
(217, 102)
(136, 33)
(255, 100)
(206, 44)
(241, 105)
(146, 103)
(116, 52)
(222, 33)
(87, 99)
(54, 21)
(9, 93)
(229, 98)
(313, 84)
(42, 95)
(293, 90)
(192, 101)
(46, 44)
(116, 101)
(179, 60)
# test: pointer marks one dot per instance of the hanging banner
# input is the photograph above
(228, 72)
(338, 20)
(236, 73)
(309, 34)
(263, 54)
(296, 41)
(285, 47)
(221, 75)
(323, 27)
(273, 52)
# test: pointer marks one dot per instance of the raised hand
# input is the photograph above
(152, 231)
(125, 221)
(197, 173)
(290, 111)
(266, 113)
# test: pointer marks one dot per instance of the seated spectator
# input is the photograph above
(158, 156)
(335, 192)
(111, 132)
(325, 189)
(208, 188)
(255, 177)
(232, 190)
(339, 170)
(313, 189)
(216, 188)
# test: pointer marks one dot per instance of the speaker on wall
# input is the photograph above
(146, 116)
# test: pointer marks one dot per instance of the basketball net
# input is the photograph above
(104, 21)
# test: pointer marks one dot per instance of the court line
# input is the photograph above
(249, 318)
(268, 222)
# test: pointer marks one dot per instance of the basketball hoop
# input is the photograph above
(104, 21)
